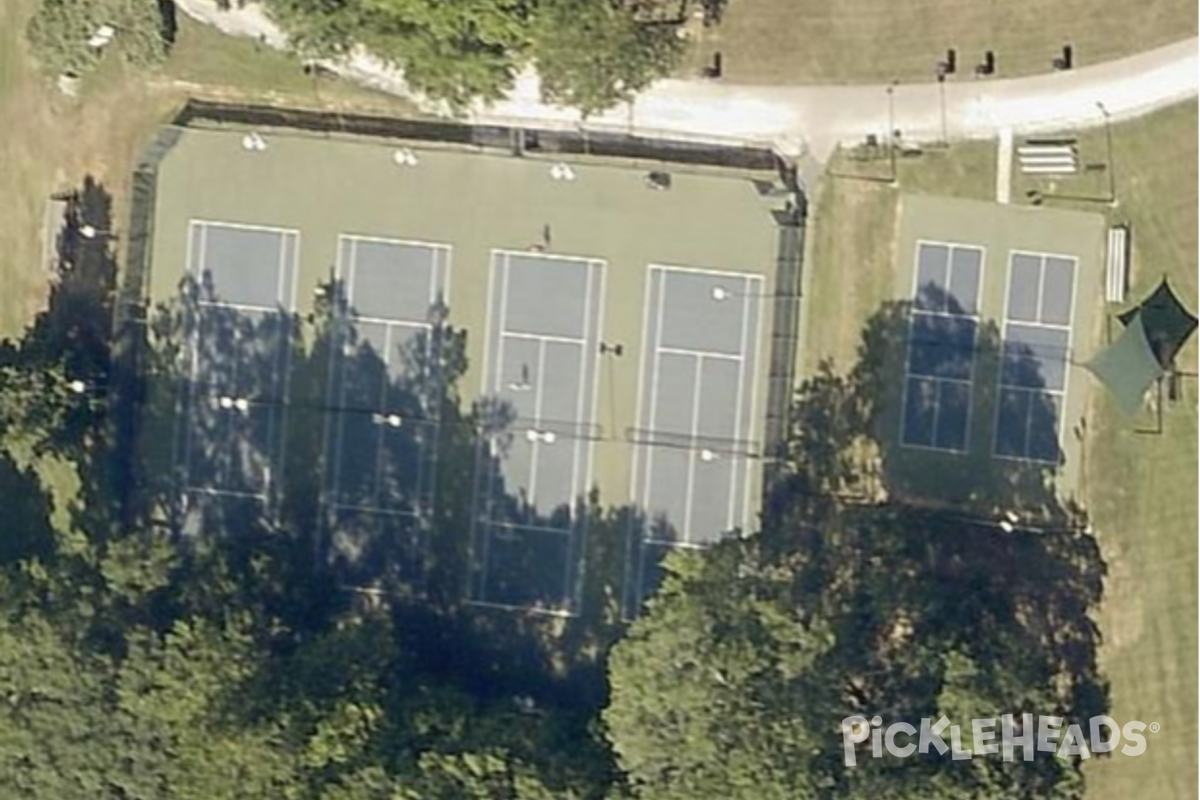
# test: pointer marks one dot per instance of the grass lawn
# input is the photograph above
(1140, 489)
(852, 233)
(817, 41)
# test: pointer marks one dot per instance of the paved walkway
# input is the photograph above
(815, 119)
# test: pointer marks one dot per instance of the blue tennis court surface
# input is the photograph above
(941, 348)
(534, 469)
(1035, 356)
(693, 448)
(382, 423)
(229, 427)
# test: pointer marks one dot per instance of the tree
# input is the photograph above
(61, 29)
(593, 54)
(853, 601)
(714, 692)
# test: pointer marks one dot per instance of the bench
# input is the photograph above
(1117, 272)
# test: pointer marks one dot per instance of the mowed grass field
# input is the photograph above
(816, 41)
(1140, 489)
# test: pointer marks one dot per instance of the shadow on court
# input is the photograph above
(904, 549)
(66, 358)
(375, 499)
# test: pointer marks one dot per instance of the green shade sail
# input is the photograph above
(1168, 324)
(1128, 366)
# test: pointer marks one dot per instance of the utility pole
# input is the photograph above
(1112, 176)
(891, 131)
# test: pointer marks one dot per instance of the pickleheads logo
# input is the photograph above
(1043, 735)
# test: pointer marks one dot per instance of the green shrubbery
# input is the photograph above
(61, 29)
(590, 53)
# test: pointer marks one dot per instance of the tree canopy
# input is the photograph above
(590, 54)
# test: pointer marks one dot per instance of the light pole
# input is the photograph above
(891, 131)
(941, 79)
(1112, 177)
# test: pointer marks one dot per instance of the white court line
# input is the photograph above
(538, 337)
(508, 253)
(225, 493)
(362, 237)
(536, 447)
(397, 323)
(283, 360)
(687, 351)
(244, 226)
(500, 266)
(654, 379)
(595, 362)
(1059, 393)
(753, 357)
(738, 433)
(689, 493)
(913, 314)
(503, 325)
(581, 390)
(634, 494)
(281, 270)
(674, 543)
(238, 306)
(488, 334)
(716, 273)
(539, 610)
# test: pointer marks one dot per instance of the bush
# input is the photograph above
(60, 30)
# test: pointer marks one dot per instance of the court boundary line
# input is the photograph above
(197, 232)
(1057, 464)
(244, 226)
(633, 599)
(345, 269)
(595, 269)
(976, 316)
(755, 386)
(285, 388)
(642, 472)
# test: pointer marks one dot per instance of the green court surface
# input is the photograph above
(618, 319)
(987, 377)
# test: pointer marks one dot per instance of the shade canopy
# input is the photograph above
(1128, 366)
(1168, 324)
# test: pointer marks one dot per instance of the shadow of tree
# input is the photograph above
(903, 548)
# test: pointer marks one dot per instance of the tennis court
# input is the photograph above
(940, 365)
(230, 422)
(382, 421)
(541, 368)
(1036, 355)
(693, 448)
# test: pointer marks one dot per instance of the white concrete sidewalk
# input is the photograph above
(816, 118)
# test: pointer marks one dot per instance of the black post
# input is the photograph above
(942, 98)
(1112, 176)
(891, 131)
